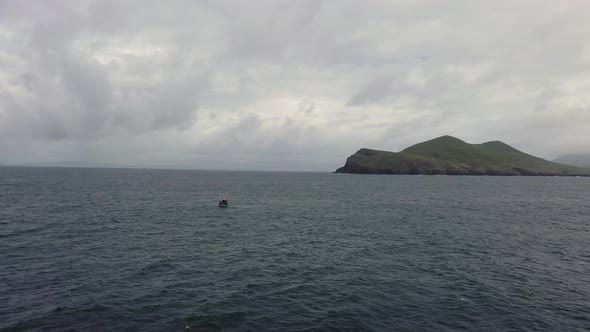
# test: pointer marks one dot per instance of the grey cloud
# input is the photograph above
(306, 107)
(283, 84)
(375, 90)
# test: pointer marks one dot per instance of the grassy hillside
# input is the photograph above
(449, 155)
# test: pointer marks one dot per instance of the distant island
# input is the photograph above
(448, 155)
(579, 160)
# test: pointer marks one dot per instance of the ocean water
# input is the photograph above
(149, 250)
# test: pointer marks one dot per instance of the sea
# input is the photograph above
(85, 249)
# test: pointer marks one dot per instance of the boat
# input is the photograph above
(223, 203)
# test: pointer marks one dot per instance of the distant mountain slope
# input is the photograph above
(580, 160)
(452, 156)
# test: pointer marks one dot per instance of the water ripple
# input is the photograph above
(148, 250)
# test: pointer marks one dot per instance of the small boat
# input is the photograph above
(223, 203)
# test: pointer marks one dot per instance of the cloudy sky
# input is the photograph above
(287, 85)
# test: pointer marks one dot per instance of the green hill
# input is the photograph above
(452, 156)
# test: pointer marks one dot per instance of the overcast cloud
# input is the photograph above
(287, 85)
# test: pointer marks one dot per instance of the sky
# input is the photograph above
(286, 85)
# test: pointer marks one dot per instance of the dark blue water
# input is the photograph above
(149, 250)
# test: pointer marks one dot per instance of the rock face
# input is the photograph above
(451, 156)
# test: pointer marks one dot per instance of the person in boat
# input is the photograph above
(223, 201)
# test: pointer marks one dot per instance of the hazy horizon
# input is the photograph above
(580, 160)
(286, 86)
